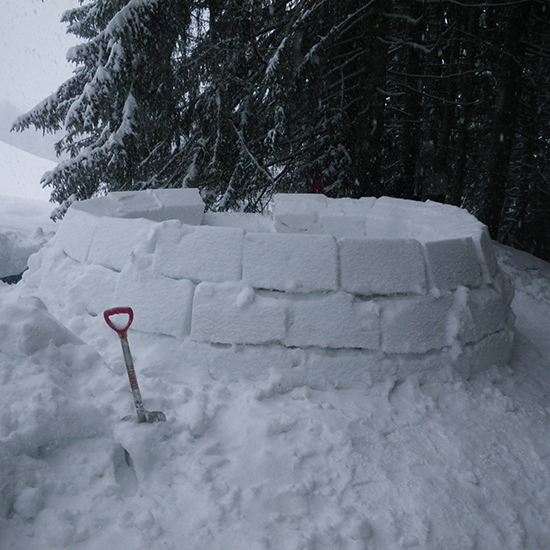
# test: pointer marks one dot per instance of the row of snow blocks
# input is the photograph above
(317, 263)
(234, 313)
(306, 262)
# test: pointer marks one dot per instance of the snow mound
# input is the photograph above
(26, 327)
(45, 371)
(401, 285)
(16, 248)
(24, 228)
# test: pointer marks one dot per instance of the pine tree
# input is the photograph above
(239, 98)
(119, 108)
(245, 98)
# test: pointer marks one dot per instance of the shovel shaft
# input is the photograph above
(136, 394)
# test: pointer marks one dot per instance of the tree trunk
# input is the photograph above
(412, 140)
(466, 84)
(504, 126)
(365, 104)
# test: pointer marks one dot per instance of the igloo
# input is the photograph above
(352, 289)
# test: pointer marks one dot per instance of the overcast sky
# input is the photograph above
(33, 47)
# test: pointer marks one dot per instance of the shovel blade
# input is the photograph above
(147, 416)
(153, 416)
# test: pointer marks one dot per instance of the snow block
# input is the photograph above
(49, 276)
(492, 350)
(159, 205)
(387, 228)
(418, 324)
(247, 221)
(488, 312)
(502, 284)
(299, 263)
(335, 320)
(349, 207)
(98, 207)
(345, 217)
(391, 218)
(94, 286)
(114, 240)
(381, 266)
(453, 263)
(200, 253)
(161, 305)
(343, 226)
(298, 213)
(75, 234)
(184, 204)
(486, 255)
(232, 313)
(134, 204)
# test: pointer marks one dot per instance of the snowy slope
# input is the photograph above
(20, 174)
(258, 464)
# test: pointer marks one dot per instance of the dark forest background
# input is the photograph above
(439, 99)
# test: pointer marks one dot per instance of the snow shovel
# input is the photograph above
(122, 330)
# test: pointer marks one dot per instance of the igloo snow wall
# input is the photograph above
(357, 288)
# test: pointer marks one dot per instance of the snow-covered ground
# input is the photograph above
(440, 463)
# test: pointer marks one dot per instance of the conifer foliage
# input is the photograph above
(119, 108)
(244, 98)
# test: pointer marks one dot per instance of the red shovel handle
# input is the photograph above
(107, 314)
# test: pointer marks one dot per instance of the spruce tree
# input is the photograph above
(119, 109)
(245, 98)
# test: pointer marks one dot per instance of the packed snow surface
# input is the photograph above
(261, 462)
